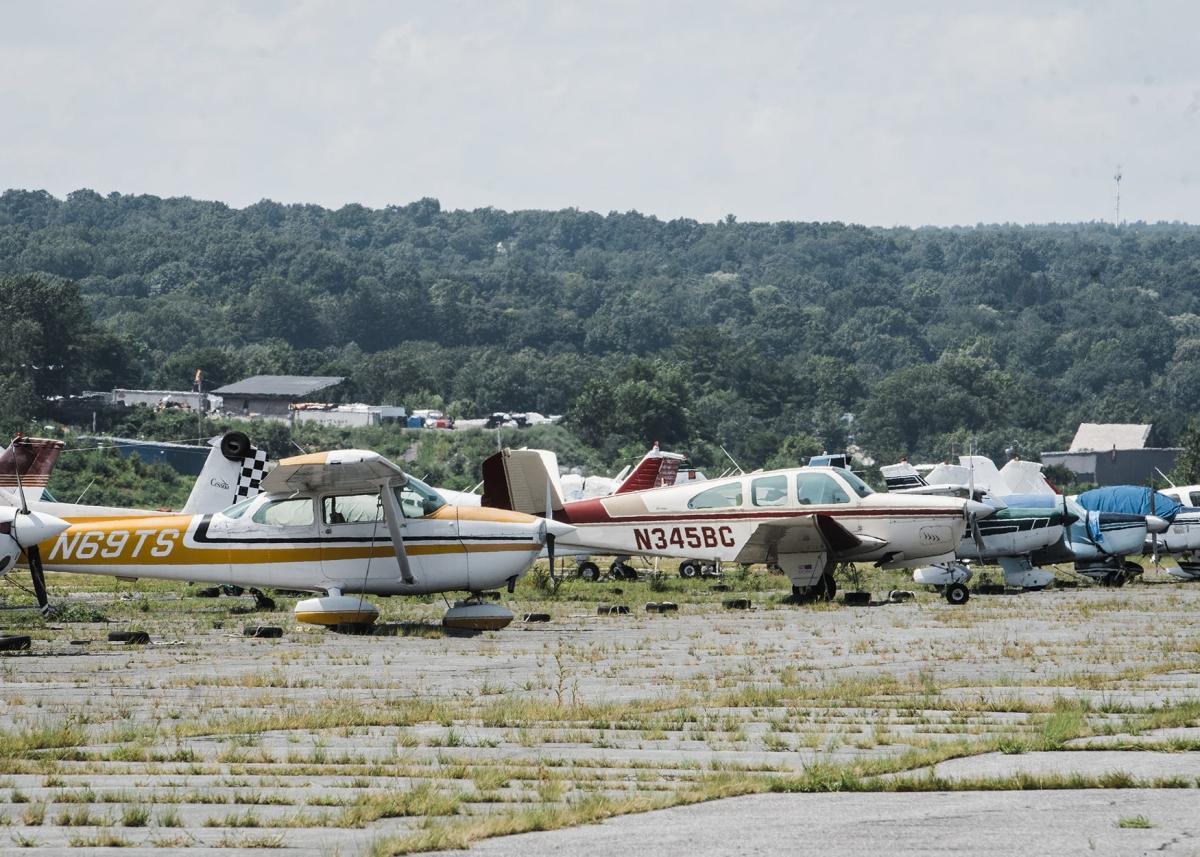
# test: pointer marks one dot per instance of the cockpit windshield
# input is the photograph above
(862, 489)
(417, 500)
(238, 509)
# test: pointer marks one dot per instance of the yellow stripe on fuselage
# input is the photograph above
(141, 541)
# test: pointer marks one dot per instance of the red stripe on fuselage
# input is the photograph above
(593, 512)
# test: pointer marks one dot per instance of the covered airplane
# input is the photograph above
(802, 520)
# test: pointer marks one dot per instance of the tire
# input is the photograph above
(621, 571)
(689, 568)
(15, 643)
(129, 638)
(235, 446)
(589, 571)
(827, 588)
(803, 594)
(957, 594)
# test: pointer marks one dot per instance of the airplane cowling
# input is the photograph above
(9, 552)
(336, 610)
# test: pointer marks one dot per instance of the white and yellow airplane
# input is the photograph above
(343, 524)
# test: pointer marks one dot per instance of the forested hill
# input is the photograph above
(757, 336)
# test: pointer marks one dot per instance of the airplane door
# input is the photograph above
(432, 538)
(356, 549)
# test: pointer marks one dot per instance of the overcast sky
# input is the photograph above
(889, 113)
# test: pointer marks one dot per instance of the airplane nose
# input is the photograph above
(1155, 524)
(558, 529)
(979, 510)
(36, 527)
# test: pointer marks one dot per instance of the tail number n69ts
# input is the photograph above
(114, 544)
(694, 538)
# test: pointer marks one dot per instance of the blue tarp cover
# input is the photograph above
(1128, 500)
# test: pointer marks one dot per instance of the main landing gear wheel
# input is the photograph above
(823, 590)
(621, 571)
(689, 568)
(957, 594)
(589, 571)
(1115, 578)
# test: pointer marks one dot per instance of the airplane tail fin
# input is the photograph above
(234, 471)
(901, 476)
(33, 458)
(657, 468)
(518, 480)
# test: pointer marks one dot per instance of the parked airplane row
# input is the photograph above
(347, 524)
(1096, 531)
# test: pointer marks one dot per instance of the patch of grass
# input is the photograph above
(135, 816)
(422, 800)
(1134, 822)
(100, 839)
(22, 741)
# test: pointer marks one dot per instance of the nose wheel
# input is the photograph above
(957, 593)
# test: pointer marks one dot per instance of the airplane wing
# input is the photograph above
(341, 470)
(804, 534)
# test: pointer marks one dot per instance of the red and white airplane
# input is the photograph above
(803, 520)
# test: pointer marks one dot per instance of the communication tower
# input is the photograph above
(1117, 179)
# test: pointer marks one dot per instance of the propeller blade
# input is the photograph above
(550, 549)
(34, 554)
(20, 488)
(976, 533)
(1154, 532)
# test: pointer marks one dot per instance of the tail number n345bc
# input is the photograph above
(661, 538)
(114, 544)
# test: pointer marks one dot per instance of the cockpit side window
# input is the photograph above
(1195, 499)
(418, 500)
(351, 509)
(819, 489)
(769, 491)
(721, 497)
(293, 512)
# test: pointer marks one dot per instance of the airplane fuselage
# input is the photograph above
(453, 549)
(721, 518)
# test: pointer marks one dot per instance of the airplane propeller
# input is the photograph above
(29, 529)
(976, 533)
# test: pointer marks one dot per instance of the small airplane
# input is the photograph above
(1041, 527)
(802, 520)
(342, 524)
(1182, 539)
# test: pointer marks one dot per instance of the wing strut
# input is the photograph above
(393, 514)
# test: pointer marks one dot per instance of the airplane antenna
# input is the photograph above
(735, 464)
(1117, 179)
(1166, 477)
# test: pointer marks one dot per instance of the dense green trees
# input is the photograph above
(759, 337)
